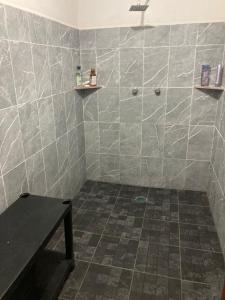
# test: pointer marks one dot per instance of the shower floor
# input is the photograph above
(163, 248)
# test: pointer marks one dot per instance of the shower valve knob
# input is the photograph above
(157, 92)
(135, 91)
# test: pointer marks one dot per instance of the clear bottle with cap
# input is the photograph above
(78, 76)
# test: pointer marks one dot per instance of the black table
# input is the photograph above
(27, 269)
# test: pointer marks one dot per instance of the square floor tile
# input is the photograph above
(128, 207)
(116, 252)
(164, 210)
(163, 194)
(77, 203)
(88, 186)
(56, 238)
(193, 198)
(151, 287)
(98, 203)
(202, 266)
(161, 232)
(158, 259)
(124, 227)
(131, 192)
(199, 291)
(199, 237)
(195, 215)
(104, 283)
(86, 220)
(104, 188)
(74, 281)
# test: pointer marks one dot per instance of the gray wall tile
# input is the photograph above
(107, 38)
(152, 172)
(197, 175)
(70, 110)
(174, 172)
(3, 30)
(211, 33)
(130, 138)
(38, 29)
(92, 166)
(73, 147)
(110, 168)
(56, 69)
(130, 170)
(90, 106)
(92, 140)
(3, 204)
(59, 114)
(88, 61)
(131, 37)
(109, 138)
(63, 154)
(130, 106)
(51, 164)
(152, 140)
(80, 140)
(87, 39)
(68, 71)
(108, 99)
(157, 36)
(183, 34)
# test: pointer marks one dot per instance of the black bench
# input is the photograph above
(27, 269)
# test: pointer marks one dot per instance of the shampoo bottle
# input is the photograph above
(93, 78)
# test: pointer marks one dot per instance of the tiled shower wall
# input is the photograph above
(41, 118)
(150, 140)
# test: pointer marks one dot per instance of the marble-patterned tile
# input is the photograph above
(107, 38)
(108, 67)
(202, 266)
(130, 170)
(131, 37)
(70, 110)
(3, 204)
(131, 67)
(11, 147)
(116, 252)
(211, 33)
(151, 172)
(51, 164)
(199, 215)
(200, 142)
(152, 140)
(181, 66)
(74, 281)
(98, 203)
(183, 34)
(176, 141)
(3, 26)
(162, 209)
(24, 77)
(156, 67)
(174, 173)
(55, 191)
(87, 39)
(30, 128)
(130, 138)
(162, 194)
(90, 106)
(56, 69)
(133, 191)
(158, 259)
(108, 100)
(154, 107)
(178, 109)
(36, 174)
(68, 38)
(38, 29)
(88, 61)
(212, 55)
(92, 166)
(109, 138)
(129, 207)
(104, 188)
(199, 237)
(147, 286)
(160, 232)
(68, 71)
(79, 109)
(110, 168)
(7, 90)
(103, 282)
(17, 24)
(128, 227)
(73, 144)
(80, 140)
(91, 221)
(92, 139)
(204, 108)
(15, 183)
(157, 36)
(59, 114)
(197, 175)
(76, 58)
(46, 121)
(199, 291)
(88, 186)
(42, 71)
(62, 154)
(52, 33)
(193, 198)
(130, 106)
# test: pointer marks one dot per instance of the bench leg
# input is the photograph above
(68, 231)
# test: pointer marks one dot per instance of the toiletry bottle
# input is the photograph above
(219, 75)
(78, 76)
(93, 78)
(205, 75)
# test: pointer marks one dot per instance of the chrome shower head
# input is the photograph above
(139, 7)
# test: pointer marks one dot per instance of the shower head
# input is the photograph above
(139, 7)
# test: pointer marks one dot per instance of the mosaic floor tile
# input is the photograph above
(131, 192)
(161, 232)
(158, 259)
(128, 207)
(116, 252)
(105, 283)
(86, 220)
(124, 227)
(202, 266)
(164, 210)
(104, 188)
(163, 194)
(98, 203)
(195, 215)
(199, 237)
(152, 287)
(193, 198)
(87, 187)
(199, 291)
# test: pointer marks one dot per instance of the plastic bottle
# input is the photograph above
(79, 76)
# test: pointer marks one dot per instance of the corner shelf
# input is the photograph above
(84, 88)
(212, 88)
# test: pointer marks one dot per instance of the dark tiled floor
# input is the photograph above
(164, 248)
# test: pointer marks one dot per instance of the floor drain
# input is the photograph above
(140, 199)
